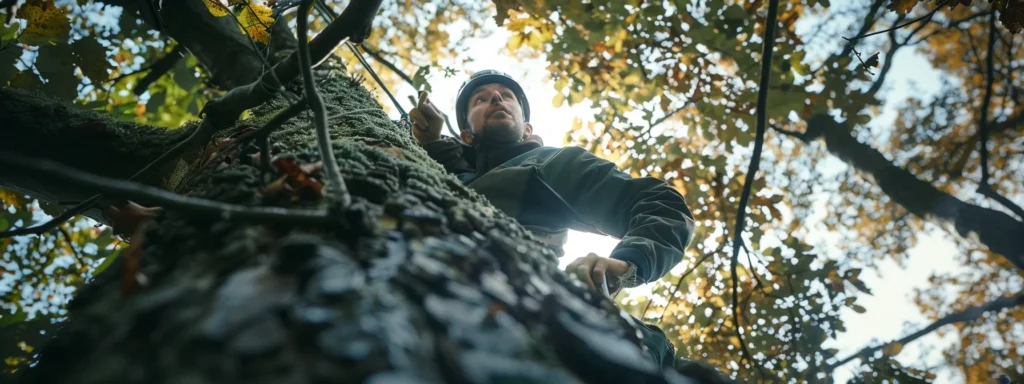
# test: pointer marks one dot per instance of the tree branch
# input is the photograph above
(925, 17)
(49, 224)
(11, 162)
(968, 314)
(380, 59)
(755, 162)
(316, 104)
(984, 188)
(354, 23)
(986, 100)
(159, 68)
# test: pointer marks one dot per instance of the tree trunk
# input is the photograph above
(999, 231)
(420, 280)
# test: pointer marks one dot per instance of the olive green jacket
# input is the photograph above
(550, 190)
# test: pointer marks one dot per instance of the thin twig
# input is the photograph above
(968, 314)
(155, 196)
(678, 284)
(990, 77)
(755, 162)
(984, 187)
(316, 104)
(67, 237)
(380, 59)
(52, 223)
(925, 17)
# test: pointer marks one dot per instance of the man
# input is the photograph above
(550, 190)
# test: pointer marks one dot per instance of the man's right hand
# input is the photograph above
(426, 120)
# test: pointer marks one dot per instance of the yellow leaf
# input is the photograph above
(45, 21)
(892, 349)
(216, 7)
(558, 100)
(256, 20)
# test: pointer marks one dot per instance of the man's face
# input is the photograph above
(495, 113)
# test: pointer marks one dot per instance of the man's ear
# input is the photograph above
(527, 130)
(466, 137)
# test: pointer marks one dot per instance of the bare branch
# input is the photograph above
(990, 76)
(987, 191)
(12, 162)
(380, 59)
(316, 104)
(52, 223)
(67, 238)
(984, 188)
(924, 18)
(969, 314)
(762, 121)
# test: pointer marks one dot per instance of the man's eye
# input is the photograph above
(508, 95)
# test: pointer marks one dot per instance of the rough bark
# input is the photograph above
(1000, 232)
(420, 280)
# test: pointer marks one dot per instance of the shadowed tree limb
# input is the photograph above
(755, 162)
(969, 314)
(155, 196)
(997, 230)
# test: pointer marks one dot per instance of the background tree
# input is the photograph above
(674, 87)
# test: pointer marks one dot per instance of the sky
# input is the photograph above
(891, 312)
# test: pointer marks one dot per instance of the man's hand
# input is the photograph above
(596, 270)
(426, 120)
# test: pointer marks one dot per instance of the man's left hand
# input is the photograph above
(594, 270)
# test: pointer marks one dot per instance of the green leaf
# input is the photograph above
(56, 64)
(859, 309)
(8, 318)
(860, 285)
(91, 58)
(107, 262)
(8, 57)
(156, 100)
(4, 224)
(419, 80)
(185, 75)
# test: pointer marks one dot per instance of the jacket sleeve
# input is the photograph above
(449, 153)
(650, 217)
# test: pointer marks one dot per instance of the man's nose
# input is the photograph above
(496, 97)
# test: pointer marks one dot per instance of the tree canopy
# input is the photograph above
(674, 85)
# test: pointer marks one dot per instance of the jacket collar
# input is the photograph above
(487, 157)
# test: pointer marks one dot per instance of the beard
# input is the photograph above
(502, 133)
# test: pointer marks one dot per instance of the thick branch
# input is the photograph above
(997, 230)
(38, 126)
(41, 168)
(969, 314)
